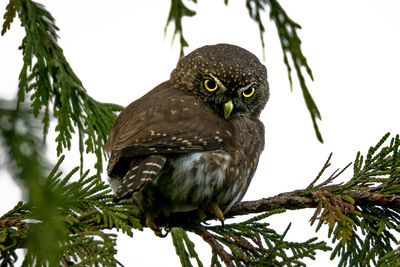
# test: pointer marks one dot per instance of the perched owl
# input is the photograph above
(193, 142)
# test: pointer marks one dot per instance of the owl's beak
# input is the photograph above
(228, 106)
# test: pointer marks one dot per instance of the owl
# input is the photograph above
(193, 142)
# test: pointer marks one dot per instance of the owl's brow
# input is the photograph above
(220, 84)
(244, 88)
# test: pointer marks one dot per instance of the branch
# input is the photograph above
(293, 201)
(201, 231)
(289, 200)
(76, 215)
(8, 17)
(177, 12)
(291, 48)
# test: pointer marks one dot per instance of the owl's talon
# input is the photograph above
(150, 221)
(202, 214)
(158, 232)
(151, 224)
(218, 213)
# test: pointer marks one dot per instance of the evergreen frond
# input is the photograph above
(21, 139)
(12, 230)
(366, 228)
(390, 259)
(90, 249)
(255, 8)
(291, 47)
(48, 78)
(73, 228)
(253, 243)
(8, 17)
(184, 247)
(177, 12)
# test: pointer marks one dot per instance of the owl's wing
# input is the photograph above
(166, 121)
(139, 174)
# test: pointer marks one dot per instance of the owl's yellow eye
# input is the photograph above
(210, 85)
(248, 92)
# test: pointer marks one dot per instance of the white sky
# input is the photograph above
(119, 52)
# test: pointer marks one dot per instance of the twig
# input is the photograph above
(326, 165)
(225, 257)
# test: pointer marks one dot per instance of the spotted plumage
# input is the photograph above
(193, 142)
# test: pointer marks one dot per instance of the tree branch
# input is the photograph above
(288, 200)
(293, 201)
(201, 231)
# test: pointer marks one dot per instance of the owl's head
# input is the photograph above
(227, 77)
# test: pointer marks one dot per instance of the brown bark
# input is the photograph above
(292, 201)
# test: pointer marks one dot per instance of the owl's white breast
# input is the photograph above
(197, 178)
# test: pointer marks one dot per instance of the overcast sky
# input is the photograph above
(118, 50)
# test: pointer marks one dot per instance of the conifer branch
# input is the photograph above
(294, 201)
(184, 247)
(72, 230)
(177, 12)
(49, 80)
(253, 243)
(8, 17)
(291, 48)
(216, 247)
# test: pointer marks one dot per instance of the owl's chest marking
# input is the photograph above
(197, 178)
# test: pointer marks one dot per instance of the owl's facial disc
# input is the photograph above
(228, 99)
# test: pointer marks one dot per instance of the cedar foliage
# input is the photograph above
(65, 222)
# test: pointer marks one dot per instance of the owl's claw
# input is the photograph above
(218, 213)
(158, 231)
(202, 214)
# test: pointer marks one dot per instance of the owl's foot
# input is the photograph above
(202, 215)
(158, 231)
(161, 232)
(218, 212)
